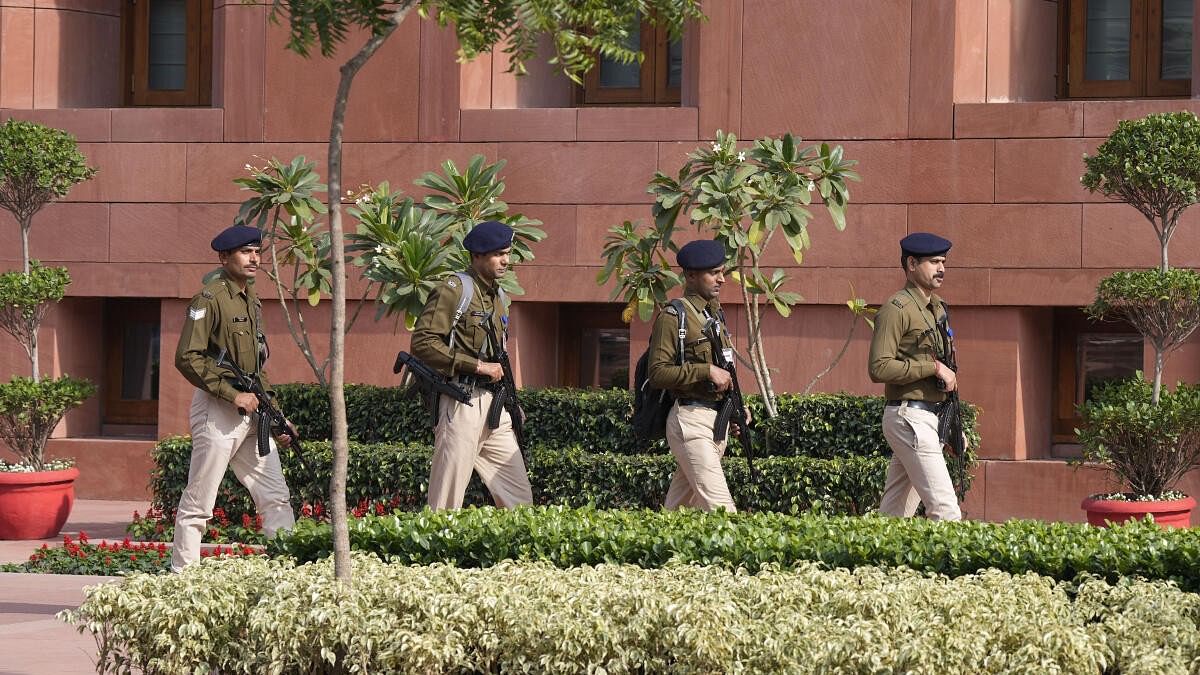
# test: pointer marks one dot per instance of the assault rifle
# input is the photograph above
(504, 396)
(431, 378)
(950, 426)
(733, 407)
(270, 419)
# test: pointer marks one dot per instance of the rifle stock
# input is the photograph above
(436, 381)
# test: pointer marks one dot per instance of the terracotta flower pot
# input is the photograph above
(36, 505)
(1174, 513)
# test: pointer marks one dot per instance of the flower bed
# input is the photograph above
(109, 558)
(256, 615)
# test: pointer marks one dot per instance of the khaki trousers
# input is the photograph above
(223, 438)
(917, 472)
(463, 442)
(699, 482)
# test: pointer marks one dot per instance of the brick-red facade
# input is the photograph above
(947, 104)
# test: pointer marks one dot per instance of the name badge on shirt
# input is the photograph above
(728, 351)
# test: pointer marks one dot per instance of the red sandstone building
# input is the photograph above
(968, 117)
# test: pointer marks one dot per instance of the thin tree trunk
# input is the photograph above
(300, 339)
(1163, 266)
(1159, 359)
(33, 335)
(836, 359)
(337, 342)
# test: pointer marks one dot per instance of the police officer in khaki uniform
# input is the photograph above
(462, 440)
(905, 358)
(226, 315)
(698, 384)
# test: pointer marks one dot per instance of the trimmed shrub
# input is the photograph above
(820, 425)
(654, 538)
(397, 476)
(255, 615)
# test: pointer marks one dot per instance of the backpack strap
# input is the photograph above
(681, 312)
(468, 292)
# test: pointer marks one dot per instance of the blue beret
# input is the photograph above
(704, 254)
(236, 237)
(488, 236)
(924, 244)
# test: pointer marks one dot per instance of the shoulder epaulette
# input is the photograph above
(670, 309)
(207, 293)
(899, 301)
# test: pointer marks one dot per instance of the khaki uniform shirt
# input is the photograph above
(430, 339)
(221, 317)
(905, 345)
(662, 365)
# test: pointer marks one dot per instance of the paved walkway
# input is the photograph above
(32, 641)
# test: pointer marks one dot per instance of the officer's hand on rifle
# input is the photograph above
(246, 402)
(737, 428)
(285, 439)
(949, 381)
(720, 378)
(492, 371)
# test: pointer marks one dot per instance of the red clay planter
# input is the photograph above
(36, 505)
(1174, 513)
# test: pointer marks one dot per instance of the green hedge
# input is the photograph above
(397, 476)
(655, 538)
(820, 425)
(263, 616)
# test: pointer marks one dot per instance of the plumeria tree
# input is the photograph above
(38, 165)
(745, 198)
(402, 248)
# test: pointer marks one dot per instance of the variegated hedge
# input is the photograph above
(270, 616)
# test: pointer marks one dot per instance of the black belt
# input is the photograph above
(711, 405)
(469, 381)
(920, 405)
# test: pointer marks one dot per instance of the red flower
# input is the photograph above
(246, 520)
(258, 521)
(306, 510)
(83, 537)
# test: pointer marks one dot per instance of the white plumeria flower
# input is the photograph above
(716, 146)
(812, 185)
(741, 156)
(379, 249)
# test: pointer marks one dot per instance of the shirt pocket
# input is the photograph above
(698, 352)
(243, 345)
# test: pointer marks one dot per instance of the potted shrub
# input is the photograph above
(1147, 436)
(37, 165)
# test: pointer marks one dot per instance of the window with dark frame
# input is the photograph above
(167, 52)
(1125, 48)
(132, 346)
(593, 346)
(657, 80)
(1087, 354)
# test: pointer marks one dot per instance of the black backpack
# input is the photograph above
(650, 405)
